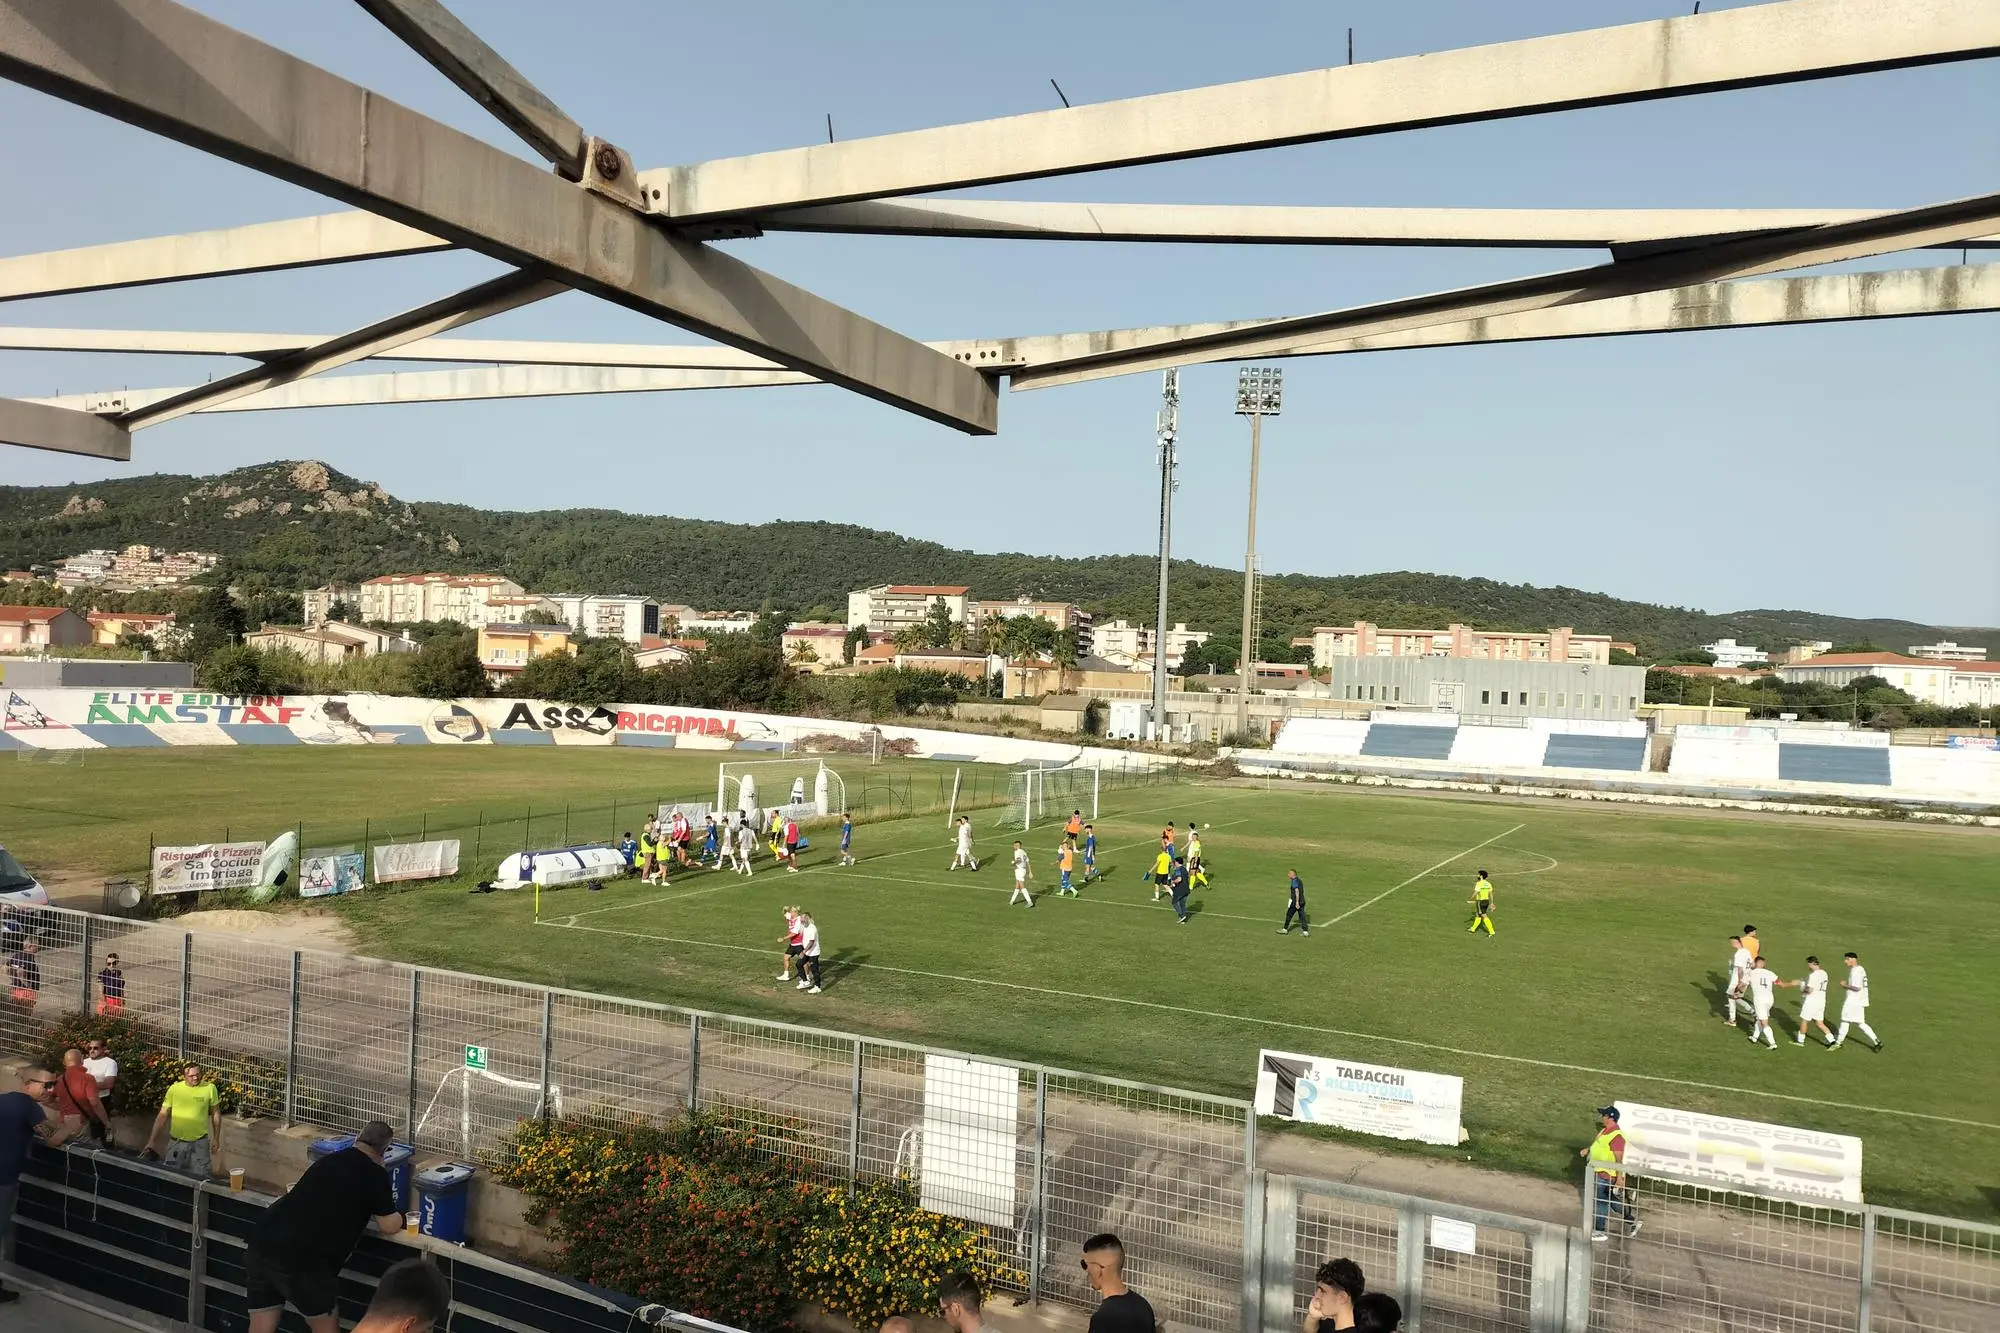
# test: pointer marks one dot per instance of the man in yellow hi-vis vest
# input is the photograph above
(1606, 1158)
(1482, 904)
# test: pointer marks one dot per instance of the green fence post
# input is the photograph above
(478, 835)
(614, 819)
(423, 826)
(565, 823)
(527, 826)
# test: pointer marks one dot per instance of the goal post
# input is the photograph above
(1043, 793)
(802, 788)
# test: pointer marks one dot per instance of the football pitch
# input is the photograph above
(1604, 979)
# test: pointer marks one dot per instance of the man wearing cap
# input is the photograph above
(1606, 1155)
(296, 1252)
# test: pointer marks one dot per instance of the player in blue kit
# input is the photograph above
(1089, 852)
(846, 840)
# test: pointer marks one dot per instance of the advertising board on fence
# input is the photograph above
(211, 865)
(1747, 1155)
(437, 859)
(327, 871)
(972, 1113)
(1371, 1099)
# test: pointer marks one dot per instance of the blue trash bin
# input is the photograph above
(396, 1161)
(443, 1191)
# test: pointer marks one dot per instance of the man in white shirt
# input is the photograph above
(1740, 959)
(97, 1059)
(809, 973)
(959, 1302)
(1762, 992)
(1812, 1004)
(1854, 1005)
(965, 857)
(746, 846)
(1023, 872)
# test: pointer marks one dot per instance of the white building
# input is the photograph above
(1947, 651)
(405, 599)
(333, 641)
(715, 622)
(1946, 684)
(889, 607)
(613, 617)
(1127, 644)
(1729, 653)
(1330, 643)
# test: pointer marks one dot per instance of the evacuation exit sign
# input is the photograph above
(475, 1057)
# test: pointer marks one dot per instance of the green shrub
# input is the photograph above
(698, 1214)
(149, 1062)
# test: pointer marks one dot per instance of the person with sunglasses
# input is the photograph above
(23, 1119)
(1122, 1310)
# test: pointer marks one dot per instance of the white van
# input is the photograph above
(17, 885)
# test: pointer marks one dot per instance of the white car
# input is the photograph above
(17, 885)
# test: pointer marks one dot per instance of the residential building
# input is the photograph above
(1925, 679)
(1947, 651)
(332, 642)
(815, 645)
(715, 622)
(875, 657)
(1803, 651)
(1128, 644)
(623, 616)
(951, 661)
(406, 599)
(1729, 653)
(888, 607)
(111, 627)
(672, 618)
(1040, 675)
(1063, 615)
(28, 627)
(656, 651)
(134, 569)
(1483, 687)
(505, 649)
(1363, 639)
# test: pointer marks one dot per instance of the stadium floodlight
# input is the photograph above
(1260, 393)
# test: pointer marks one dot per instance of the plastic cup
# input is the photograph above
(236, 1179)
(410, 1223)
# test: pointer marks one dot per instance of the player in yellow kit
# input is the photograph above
(1482, 904)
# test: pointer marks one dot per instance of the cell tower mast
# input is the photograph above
(1167, 428)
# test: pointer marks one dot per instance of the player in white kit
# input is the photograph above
(1854, 1005)
(746, 845)
(1812, 1004)
(1023, 872)
(1763, 982)
(1740, 959)
(965, 857)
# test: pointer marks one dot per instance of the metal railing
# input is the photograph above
(113, 1228)
(1212, 1242)
(337, 1040)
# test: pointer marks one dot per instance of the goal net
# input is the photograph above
(1038, 794)
(477, 1108)
(802, 788)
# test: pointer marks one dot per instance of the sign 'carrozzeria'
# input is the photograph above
(166, 707)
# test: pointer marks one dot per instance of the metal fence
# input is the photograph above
(1212, 1241)
(336, 1040)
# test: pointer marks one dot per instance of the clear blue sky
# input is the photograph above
(1851, 469)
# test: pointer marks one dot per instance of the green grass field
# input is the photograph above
(1603, 981)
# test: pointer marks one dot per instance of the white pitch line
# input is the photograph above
(1332, 1032)
(1421, 873)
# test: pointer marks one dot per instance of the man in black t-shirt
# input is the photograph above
(296, 1253)
(1123, 1310)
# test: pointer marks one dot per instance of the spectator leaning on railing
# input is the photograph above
(412, 1297)
(297, 1250)
(22, 1120)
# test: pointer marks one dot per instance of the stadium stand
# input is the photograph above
(1834, 763)
(1386, 741)
(1624, 753)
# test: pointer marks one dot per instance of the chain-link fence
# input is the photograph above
(1038, 1158)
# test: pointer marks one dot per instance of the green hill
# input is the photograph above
(297, 525)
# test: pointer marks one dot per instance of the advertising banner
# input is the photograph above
(1372, 1099)
(437, 859)
(972, 1117)
(211, 865)
(327, 871)
(1774, 1160)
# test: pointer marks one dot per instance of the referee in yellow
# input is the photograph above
(1482, 904)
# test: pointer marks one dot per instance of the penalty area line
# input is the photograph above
(1421, 873)
(1308, 1027)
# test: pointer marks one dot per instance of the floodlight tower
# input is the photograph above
(1260, 393)
(1166, 426)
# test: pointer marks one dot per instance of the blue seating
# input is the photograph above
(1567, 750)
(1868, 766)
(1390, 741)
